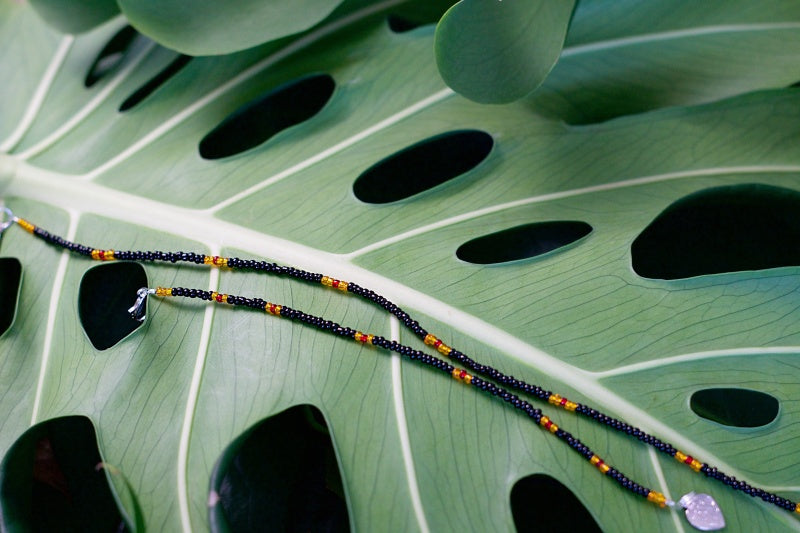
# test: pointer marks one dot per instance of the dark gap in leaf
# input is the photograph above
(542, 504)
(411, 15)
(154, 83)
(10, 279)
(256, 122)
(106, 293)
(400, 24)
(522, 242)
(423, 166)
(111, 56)
(723, 229)
(742, 408)
(280, 475)
(50, 481)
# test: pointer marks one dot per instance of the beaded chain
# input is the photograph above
(460, 375)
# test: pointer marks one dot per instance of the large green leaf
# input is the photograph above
(416, 451)
(495, 52)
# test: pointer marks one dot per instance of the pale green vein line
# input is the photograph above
(697, 356)
(350, 141)
(402, 430)
(296, 46)
(52, 315)
(191, 403)
(676, 34)
(645, 180)
(93, 104)
(38, 96)
(662, 481)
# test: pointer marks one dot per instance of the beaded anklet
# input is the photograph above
(701, 510)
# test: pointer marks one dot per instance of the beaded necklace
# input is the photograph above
(701, 510)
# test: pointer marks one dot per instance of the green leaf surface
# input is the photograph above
(206, 27)
(417, 451)
(75, 17)
(497, 52)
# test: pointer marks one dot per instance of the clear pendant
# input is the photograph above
(702, 511)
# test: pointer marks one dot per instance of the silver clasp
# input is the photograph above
(8, 219)
(137, 309)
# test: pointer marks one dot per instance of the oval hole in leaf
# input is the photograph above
(742, 408)
(154, 83)
(50, 481)
(724, 229)
(110, 57)
(10, 280)
(257, 121)
(400, 24)
(540, 503)
(106, 293)
(423, 166)
(280, 475)
(522, 242)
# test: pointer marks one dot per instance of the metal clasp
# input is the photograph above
(137, 309)
(8, 219)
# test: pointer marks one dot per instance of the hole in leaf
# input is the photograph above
(540, 503)
(522, 242)
(400, 24)
(423, 166)
(50, 481)
(256, 122)
(724, 229)
(154, 83)
(280, 475)
(106, 293)
(742, 408)
(10, 279)
(110, 57)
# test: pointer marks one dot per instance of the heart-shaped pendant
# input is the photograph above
(702, 511)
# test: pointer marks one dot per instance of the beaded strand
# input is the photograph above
(432, 361)
(429, 339)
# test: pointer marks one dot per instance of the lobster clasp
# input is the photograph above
(7, 219)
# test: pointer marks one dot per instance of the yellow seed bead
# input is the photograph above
(797, 508)
(696, 465)
(370, 336)
(94, 254)
(208, 260)
(680, 457)
(468, 379)
(429, 339)
(553, 428)
(570, 406)
(456, 372)
(343, 286)
(657, 498)
(604, 468)
(214, 295)
(444, 349)
(27, 226)
(555, 399)
(109, 255)
(594, 460)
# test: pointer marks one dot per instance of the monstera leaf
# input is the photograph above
(622, 236)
